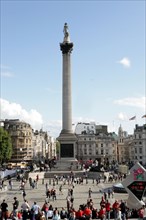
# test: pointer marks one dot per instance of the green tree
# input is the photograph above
(5, 146)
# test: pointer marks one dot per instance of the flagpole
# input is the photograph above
(135, 119)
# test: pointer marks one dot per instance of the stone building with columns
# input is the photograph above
(44, 146)
(21, 136)
(139, 144)
(27, 144)
(94, 141)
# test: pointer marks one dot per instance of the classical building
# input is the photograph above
(139, 144)
(44, 146)
(29, 145)
(95, 142)
(123, 150)
(132, 148)
(21, 135)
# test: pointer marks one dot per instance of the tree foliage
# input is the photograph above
(5, 146)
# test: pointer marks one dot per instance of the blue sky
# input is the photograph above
(108, 62)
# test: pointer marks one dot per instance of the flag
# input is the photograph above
(144, 116)
(133, 118)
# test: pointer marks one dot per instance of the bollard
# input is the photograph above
(49, 181)
(43, 181)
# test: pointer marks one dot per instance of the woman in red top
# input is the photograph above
(102, 213)
(102, 203)
(87, 212)
(79, 213)
(108, 209)
(116, 205)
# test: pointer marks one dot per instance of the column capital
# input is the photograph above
(66, 47)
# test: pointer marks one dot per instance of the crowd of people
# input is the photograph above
(107, 210)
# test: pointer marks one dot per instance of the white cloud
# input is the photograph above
(125, 62)
(5, 71)
(14, 110)
(122, 116)
(132, 101)
(7, 74)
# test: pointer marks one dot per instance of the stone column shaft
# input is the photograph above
(66, 96)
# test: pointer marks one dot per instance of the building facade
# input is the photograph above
(21, 135)
(139, 144)
(94, 142)
(44, 146)
(29, 145)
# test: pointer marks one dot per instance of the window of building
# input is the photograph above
(101, 152)
(136, 150)
(140, 150)
(85, 151)
(101, 145)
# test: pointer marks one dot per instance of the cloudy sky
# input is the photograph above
(108, 62)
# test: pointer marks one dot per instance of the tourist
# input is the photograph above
(24, 194)
(60, 190)
(89, 192)
(115, 208)
(50, 212)
(45, 209)
(10, 184)
(25, 210)
(72, 216)
(144, 213)
(123, 209)
(79, 214)
(102, 213)
(94, 213)
(118, 214)
(141, 213)
(56, 215)
(42, 216)
(108, 209)
(35, 209)
(15, 207)
(103, 202)
(4, 210)
(87, 212)
(63, 213)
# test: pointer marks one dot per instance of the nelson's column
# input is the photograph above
(67, 138)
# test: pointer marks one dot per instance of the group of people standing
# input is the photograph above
(117, 210)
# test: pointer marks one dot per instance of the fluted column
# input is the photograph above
(66, 49)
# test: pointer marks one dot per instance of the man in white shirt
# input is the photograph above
(35, 210)
(25, 210)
